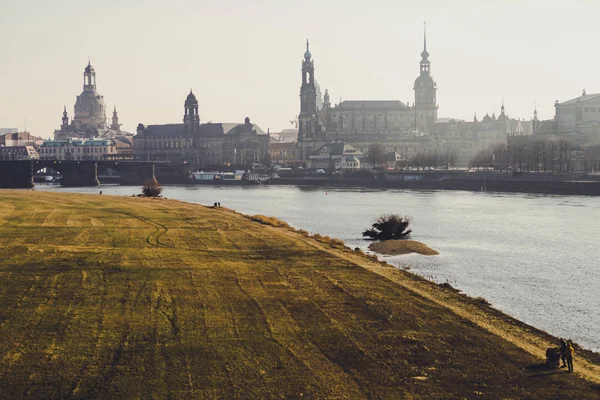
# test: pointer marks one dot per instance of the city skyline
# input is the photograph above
(251, 67)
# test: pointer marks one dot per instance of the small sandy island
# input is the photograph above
(398, 247)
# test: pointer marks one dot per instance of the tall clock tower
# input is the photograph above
(425, 90)
(310, 132)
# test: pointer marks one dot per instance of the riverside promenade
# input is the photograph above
(119, 297)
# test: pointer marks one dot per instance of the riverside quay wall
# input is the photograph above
(494, 182)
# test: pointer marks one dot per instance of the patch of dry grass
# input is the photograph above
(398, 247)
(272, 221)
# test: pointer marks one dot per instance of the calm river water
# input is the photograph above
(534, 257)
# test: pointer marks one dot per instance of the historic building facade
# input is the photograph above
(336, 155)
(391, 123)
(581, 115)
(79, 150)
(209, 144)
(464, 139)
(19, 153)
(90, 114)
(19, 139)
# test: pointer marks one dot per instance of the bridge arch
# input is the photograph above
(74, 173)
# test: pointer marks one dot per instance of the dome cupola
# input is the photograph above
(191, 99)
(307, 55)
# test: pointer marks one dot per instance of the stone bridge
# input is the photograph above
(19, 174)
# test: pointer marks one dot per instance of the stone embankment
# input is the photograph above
(547, 183)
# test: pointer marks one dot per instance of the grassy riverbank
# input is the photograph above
(110, 297)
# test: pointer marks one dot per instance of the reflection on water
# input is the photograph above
(532, 256)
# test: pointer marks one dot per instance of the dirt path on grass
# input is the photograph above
(502, 325)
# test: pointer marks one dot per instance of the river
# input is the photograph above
(534, 257)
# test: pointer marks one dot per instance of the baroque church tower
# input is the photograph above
(191, 119)
(425, 93)
(310, 133)
(65, 119)
(115, 126)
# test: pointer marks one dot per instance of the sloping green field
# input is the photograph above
(110, 297)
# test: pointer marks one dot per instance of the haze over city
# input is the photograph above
(243, 59)
(299, 199)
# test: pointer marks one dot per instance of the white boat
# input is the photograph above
(238, 177)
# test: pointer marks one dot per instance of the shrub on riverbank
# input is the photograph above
(388, 227)
(152, 188)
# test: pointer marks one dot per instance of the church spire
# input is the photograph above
(65, 117)
(307, 55)
(425, 91)
(425, 36)
(115, 121)
(425, 53)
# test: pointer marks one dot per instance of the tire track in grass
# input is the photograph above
(159, 230)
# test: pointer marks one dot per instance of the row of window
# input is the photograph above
(97, 157)
(167, 145)
(571, 110)
(53, 150)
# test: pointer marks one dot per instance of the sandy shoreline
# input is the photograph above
(400, 247)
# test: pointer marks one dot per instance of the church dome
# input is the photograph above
(191, 99)
(90, 111)
(89, 68)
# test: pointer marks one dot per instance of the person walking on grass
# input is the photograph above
(569, 356)
(563, 352)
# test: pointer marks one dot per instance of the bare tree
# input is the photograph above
(376, 154)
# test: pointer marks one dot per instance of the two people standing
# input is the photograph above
(566, 354)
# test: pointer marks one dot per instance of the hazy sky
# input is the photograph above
(243, 58)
